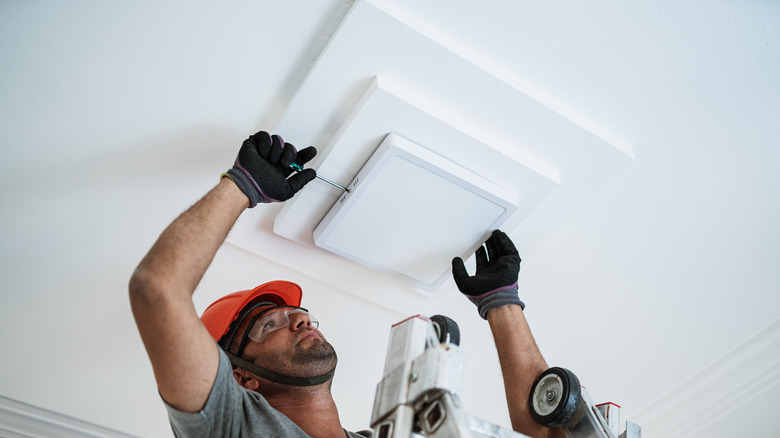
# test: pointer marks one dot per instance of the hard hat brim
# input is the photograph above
(221, 313)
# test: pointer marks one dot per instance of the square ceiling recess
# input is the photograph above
(385, 72)
(403, 219)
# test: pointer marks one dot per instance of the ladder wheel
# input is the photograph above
(554, 397)
(445, 326)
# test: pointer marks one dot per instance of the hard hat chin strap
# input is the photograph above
(279, 378)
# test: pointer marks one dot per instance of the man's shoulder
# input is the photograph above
(231, 411)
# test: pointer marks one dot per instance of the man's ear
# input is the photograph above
(246, 379)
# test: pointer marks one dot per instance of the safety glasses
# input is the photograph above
(271, 322)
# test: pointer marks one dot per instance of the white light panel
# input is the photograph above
(410, 211)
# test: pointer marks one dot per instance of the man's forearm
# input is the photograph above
(182, 351)
(521, 363)
(183, 252)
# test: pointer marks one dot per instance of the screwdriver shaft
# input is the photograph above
(333, 184)
(299, 168)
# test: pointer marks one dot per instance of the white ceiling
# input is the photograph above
(116, 117)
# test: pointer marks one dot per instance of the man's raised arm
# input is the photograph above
(494, 290)
(184, 356)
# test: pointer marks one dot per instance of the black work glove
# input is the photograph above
(262, 169)
(495, 283)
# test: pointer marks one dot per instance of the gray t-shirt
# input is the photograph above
(233, 411)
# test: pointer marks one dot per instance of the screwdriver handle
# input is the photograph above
(297, 167)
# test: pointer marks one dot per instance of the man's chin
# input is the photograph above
(317, 353)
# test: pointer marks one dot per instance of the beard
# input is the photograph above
(315, 359)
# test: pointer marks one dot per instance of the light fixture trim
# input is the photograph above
(438, 210)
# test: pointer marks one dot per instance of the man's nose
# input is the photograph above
(299, 321)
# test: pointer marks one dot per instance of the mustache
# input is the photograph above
(306, 331)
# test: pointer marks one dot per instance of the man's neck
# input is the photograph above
(313, 411)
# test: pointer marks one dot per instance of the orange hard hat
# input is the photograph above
(221, 313)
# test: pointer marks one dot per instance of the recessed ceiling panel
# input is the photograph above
(386, 72)
(409, 211)
(386, 108)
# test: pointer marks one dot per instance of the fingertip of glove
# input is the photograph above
(458, 269)
(301, 178)
(260, 135)
(306, 154)
(505, 242)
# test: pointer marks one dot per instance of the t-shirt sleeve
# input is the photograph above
(231, 410)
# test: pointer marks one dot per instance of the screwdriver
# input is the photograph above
(297, 167)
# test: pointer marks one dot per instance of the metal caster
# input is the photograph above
(446, 329)
(554, 397)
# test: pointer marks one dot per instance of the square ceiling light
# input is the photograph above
(410, 211)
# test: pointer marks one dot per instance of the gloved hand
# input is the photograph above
(262, 169)
(495, 283)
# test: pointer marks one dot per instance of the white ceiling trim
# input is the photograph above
(739, 377)
(19, 419)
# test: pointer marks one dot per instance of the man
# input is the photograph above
(270, 371)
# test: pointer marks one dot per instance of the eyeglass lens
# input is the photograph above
(275, 321)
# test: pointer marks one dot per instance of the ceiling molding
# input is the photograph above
(739, 377)
(18, 419)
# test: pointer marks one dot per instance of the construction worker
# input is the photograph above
(270, 370)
